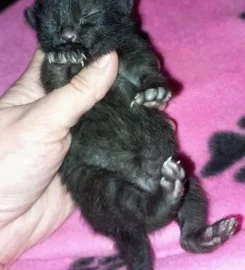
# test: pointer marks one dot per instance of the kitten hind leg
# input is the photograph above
(196, 235)
(163, 204)
(212, 236)
(134, 244)
(172, 176)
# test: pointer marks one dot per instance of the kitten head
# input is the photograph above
(95, 26)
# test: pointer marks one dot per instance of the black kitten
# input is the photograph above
(118, 170)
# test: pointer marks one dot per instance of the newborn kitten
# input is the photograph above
(121, 169)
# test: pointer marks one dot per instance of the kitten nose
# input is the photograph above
(68, 33)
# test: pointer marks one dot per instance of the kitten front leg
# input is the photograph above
(141, 70)
(60, 66)
(152, 97)
(54, 75)
(153, 89)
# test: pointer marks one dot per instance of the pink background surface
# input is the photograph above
(203, 44)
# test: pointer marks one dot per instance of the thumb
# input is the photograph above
(64, 106)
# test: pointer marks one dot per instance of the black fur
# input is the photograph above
(226, 148)
(241, 122)
(105, 263)
(242, 15)
(240, 175)
(114, 169)
(5, 4)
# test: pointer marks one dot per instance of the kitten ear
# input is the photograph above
(30, 16)
(127, 5)
(130, 4)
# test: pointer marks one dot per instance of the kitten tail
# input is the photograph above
(135, 248)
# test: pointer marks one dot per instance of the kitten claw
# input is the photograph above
(73, 58)
(66, 57)
(61, 57)
(173, 169)
(50, 57)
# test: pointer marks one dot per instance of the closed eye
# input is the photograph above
(88, 17)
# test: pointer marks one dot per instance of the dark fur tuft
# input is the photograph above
(226, 148)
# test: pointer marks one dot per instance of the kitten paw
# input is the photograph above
(152, 98)
(211, 237)
(67, 57)
(172, 178)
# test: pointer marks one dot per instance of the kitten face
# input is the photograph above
(93, 26)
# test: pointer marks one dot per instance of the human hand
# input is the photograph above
(34, 139)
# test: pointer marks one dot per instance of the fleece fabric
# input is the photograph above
(203, 46)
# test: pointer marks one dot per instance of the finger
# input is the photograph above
(28, 87)
(64, 106)
(46, 215)
(32, 72)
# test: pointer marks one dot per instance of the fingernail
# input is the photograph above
(103, 61)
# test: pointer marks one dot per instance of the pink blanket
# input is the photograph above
(203, 44)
